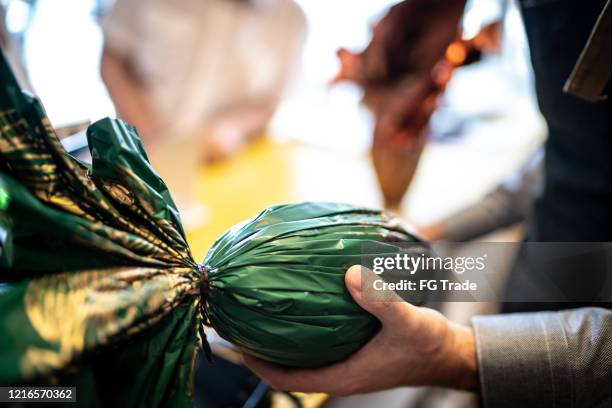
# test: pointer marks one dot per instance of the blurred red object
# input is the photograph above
(403, 106)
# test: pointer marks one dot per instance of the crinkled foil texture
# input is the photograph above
(277, 281)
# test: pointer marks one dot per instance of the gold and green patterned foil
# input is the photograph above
(99, 289)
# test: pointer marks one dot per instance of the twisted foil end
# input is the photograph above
(204, 286)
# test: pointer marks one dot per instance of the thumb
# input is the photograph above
(391, 310)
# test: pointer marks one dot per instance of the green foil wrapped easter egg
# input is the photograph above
(276, 282)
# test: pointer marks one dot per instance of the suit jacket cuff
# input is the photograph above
(523, 360)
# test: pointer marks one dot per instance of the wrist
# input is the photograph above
(463, 362)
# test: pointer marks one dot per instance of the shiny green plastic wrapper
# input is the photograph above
(99, 290)
(276, 282)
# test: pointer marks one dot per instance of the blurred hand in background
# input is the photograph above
(410, 39)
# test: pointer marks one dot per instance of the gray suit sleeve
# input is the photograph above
(547, 359)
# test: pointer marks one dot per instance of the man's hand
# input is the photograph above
(415, 346)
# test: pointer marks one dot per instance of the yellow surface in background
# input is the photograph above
(268, 173)
(240, 187)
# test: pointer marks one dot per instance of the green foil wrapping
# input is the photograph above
(98, 288)
(277, 281)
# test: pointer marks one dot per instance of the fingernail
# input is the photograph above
(354, 278)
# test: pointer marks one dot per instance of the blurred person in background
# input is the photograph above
(213, 70)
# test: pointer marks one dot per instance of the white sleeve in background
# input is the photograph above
(121, 25)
